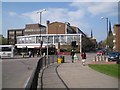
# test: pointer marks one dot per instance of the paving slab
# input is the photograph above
(50, 78)
(75, 75)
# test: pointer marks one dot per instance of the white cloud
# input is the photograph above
(97, 8)
(65, 15)
(12, 13)
(56, 14)
(75, 15)
(102, 8)
(31, 15)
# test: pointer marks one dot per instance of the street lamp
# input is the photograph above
(107, 30)
(41, 42)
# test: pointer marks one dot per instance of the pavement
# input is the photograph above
(75, 75)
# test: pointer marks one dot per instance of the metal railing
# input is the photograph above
(42, 63)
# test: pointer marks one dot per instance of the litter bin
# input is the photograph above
(59, 59)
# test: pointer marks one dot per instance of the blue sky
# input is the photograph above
(85, 15)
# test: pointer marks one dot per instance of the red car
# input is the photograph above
(100, 52)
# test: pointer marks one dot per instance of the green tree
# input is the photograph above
(3, 40)
(110, 41)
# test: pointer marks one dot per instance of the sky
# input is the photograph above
(84, 15)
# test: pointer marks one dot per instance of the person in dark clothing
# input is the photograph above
(72, 55)
(33, 53)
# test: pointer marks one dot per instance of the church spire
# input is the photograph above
(91, 34)
(110, 31)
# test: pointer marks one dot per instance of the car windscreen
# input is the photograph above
(5, 49)
(113, 54)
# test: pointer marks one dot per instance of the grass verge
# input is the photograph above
(108, 69)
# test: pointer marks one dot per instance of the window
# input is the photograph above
(44, 38)
(50, 39)
(56, 39)
(69, 39)
(6, 48)
(63, 39)
(11, 32)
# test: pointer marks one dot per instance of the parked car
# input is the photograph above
(100, 52)
(106, 51)
(113, 56)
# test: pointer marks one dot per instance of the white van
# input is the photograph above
(6, 51)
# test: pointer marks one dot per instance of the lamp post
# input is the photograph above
(107, 30)
(41, 42)
(58, 37)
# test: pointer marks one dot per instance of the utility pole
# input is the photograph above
(40, 41)
(107, 30)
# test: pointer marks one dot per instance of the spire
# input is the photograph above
(110, 31)
(91, 34)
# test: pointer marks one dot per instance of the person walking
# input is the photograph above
(83, 55)
(72, 55)
(38, 53)
(30, 53)
(33, 53)
(75, 58)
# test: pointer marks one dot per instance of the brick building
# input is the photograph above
(30, 29)
(63, 28)
(59, 34)
(12, 35)
(116, 37)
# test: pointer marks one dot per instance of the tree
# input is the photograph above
(3, 40)
(110, 41)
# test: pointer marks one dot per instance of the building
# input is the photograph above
(59, 34)
(30, 29)
(116, 37)
(62, 28)
(12, 35)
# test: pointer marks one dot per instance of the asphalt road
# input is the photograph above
(16, 72)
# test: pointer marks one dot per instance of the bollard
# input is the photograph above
(94, 59)
(100, 58)
(97, 58)
(106, 59)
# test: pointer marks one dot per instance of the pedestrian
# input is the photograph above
(72, 55)
(75, 58)
(33, 53)
(38, 53)
(30, 53)
(83, 55)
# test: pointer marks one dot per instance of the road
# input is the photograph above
(16, 72)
